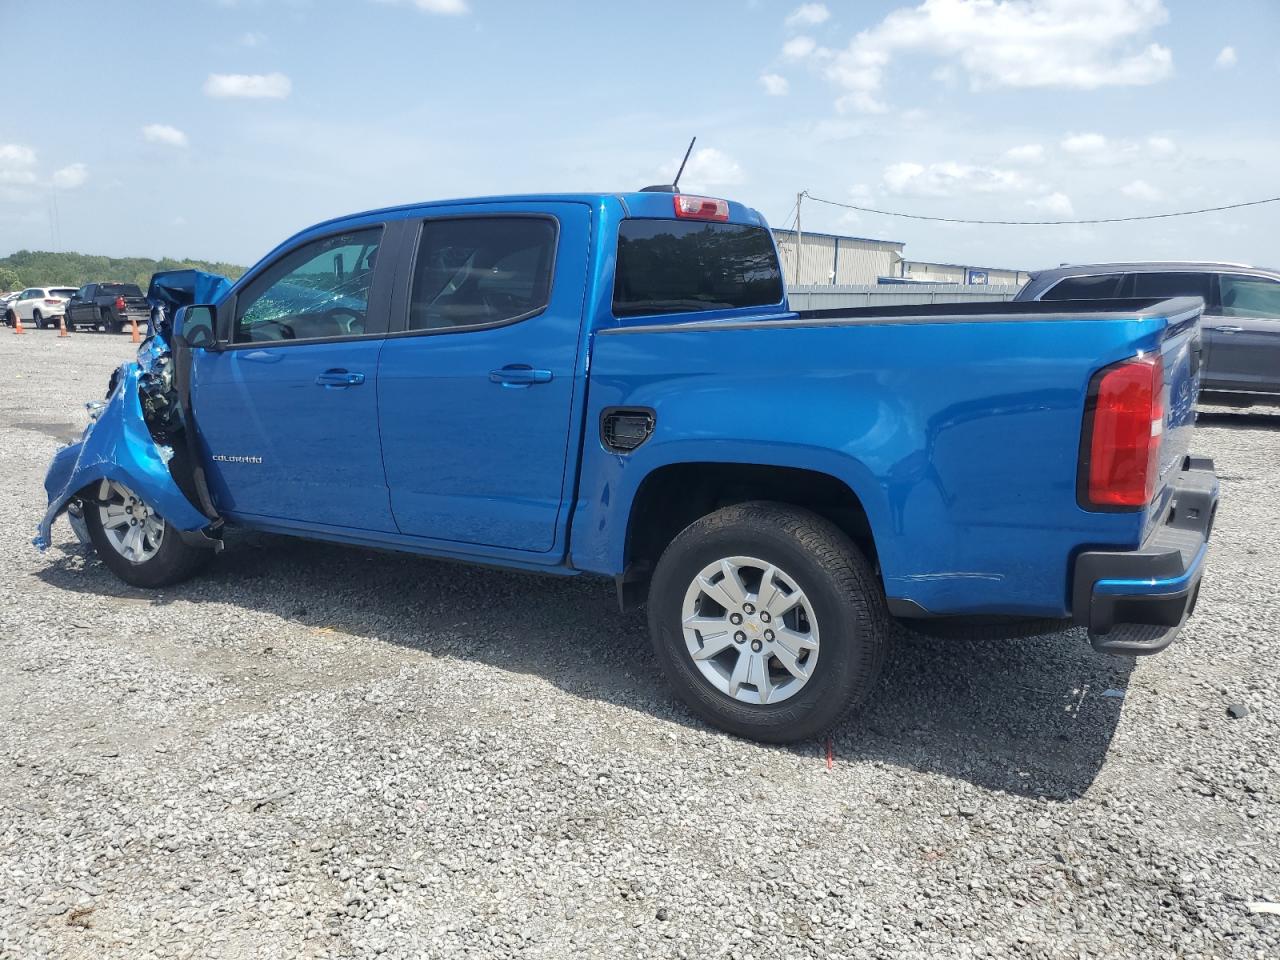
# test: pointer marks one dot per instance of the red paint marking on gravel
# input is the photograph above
(830, 753)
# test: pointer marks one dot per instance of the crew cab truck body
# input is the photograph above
(614, 385)
(108, 307)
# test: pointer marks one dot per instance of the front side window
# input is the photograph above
(1171, 284)
(1100, 287)
(1250, 297)
(674, 266)
(318, 291)
(480, 271)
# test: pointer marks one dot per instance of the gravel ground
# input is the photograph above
(314, 752)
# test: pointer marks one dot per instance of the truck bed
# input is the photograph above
(957, 426)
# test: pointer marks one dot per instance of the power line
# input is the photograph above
(1041, 223)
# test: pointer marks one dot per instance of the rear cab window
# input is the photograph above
(678, 266)
(120, 290)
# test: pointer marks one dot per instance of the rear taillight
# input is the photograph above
(701, 208)
(52, 300)
(1124, 423)
(119, 303)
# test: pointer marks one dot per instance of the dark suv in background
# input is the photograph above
(1241, 361)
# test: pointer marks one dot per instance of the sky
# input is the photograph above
(216, 128)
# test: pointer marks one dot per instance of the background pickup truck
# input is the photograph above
(613, 384)
(108, 307)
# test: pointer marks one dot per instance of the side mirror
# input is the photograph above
(195, 324)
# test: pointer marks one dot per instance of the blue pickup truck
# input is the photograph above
(613, 384)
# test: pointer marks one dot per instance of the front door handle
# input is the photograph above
(519, 375)
(1229, 329)
(339, 378)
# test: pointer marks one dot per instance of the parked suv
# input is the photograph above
(41, 306)
(108, 307)
(1241, 362)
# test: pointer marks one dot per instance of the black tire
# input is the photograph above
(985, 628)
(847, 601)
(174, 561)
(37, 319)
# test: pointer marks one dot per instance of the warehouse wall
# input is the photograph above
(842, 260)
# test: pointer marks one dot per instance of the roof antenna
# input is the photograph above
(674, 186)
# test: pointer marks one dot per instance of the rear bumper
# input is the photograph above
(1135, 602)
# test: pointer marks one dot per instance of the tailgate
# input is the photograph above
(1180, 351)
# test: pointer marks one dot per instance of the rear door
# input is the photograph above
(477, 387)
(1246, 335)
(288, 408)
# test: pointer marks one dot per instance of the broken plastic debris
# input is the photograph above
(166, 452)
(1262, 906)
(1114, 694)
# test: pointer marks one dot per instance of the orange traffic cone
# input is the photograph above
(17, 322)
(62, 326)
(133, 333)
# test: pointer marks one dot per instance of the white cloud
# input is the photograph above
(808, 15)
(949, 178)
(1161, 146)
(1084, 143)
(1141, 190)
(797, 48)
(447, 8)
(707, 168)
(71, 176)
(1027, 153)
(252, 39)
(17, 163)
(1057, 204)
(774, 85)
(163, 133)
(1226, 58)
(1072, 44)
(254, 86)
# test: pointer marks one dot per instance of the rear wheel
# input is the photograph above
(135, 542)
(37, 319)
(768, 621)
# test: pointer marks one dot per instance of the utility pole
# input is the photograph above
(799, 235)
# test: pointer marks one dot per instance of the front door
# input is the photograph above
(288, 407)
(477, 389)
(1244, 336)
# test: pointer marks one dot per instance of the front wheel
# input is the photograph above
(136, 543)
(768, 621)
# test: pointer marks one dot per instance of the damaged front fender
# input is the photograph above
(118, 446)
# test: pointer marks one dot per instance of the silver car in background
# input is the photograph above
(1241, 361)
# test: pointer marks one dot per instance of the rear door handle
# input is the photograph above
(339, 378)
(1230, 329)
(519, 375)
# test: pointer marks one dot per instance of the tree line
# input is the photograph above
(42, 268)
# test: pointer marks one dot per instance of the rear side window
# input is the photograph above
(1250, 297)
(1169, 284)
(673, 266)
(1101, 287)
(480, 271)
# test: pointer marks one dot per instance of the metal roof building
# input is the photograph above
(836, 260)
(828, 258)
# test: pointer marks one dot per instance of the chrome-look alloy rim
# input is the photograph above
(133, 529)
(750, 630)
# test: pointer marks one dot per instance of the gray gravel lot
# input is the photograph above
(313, 751)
